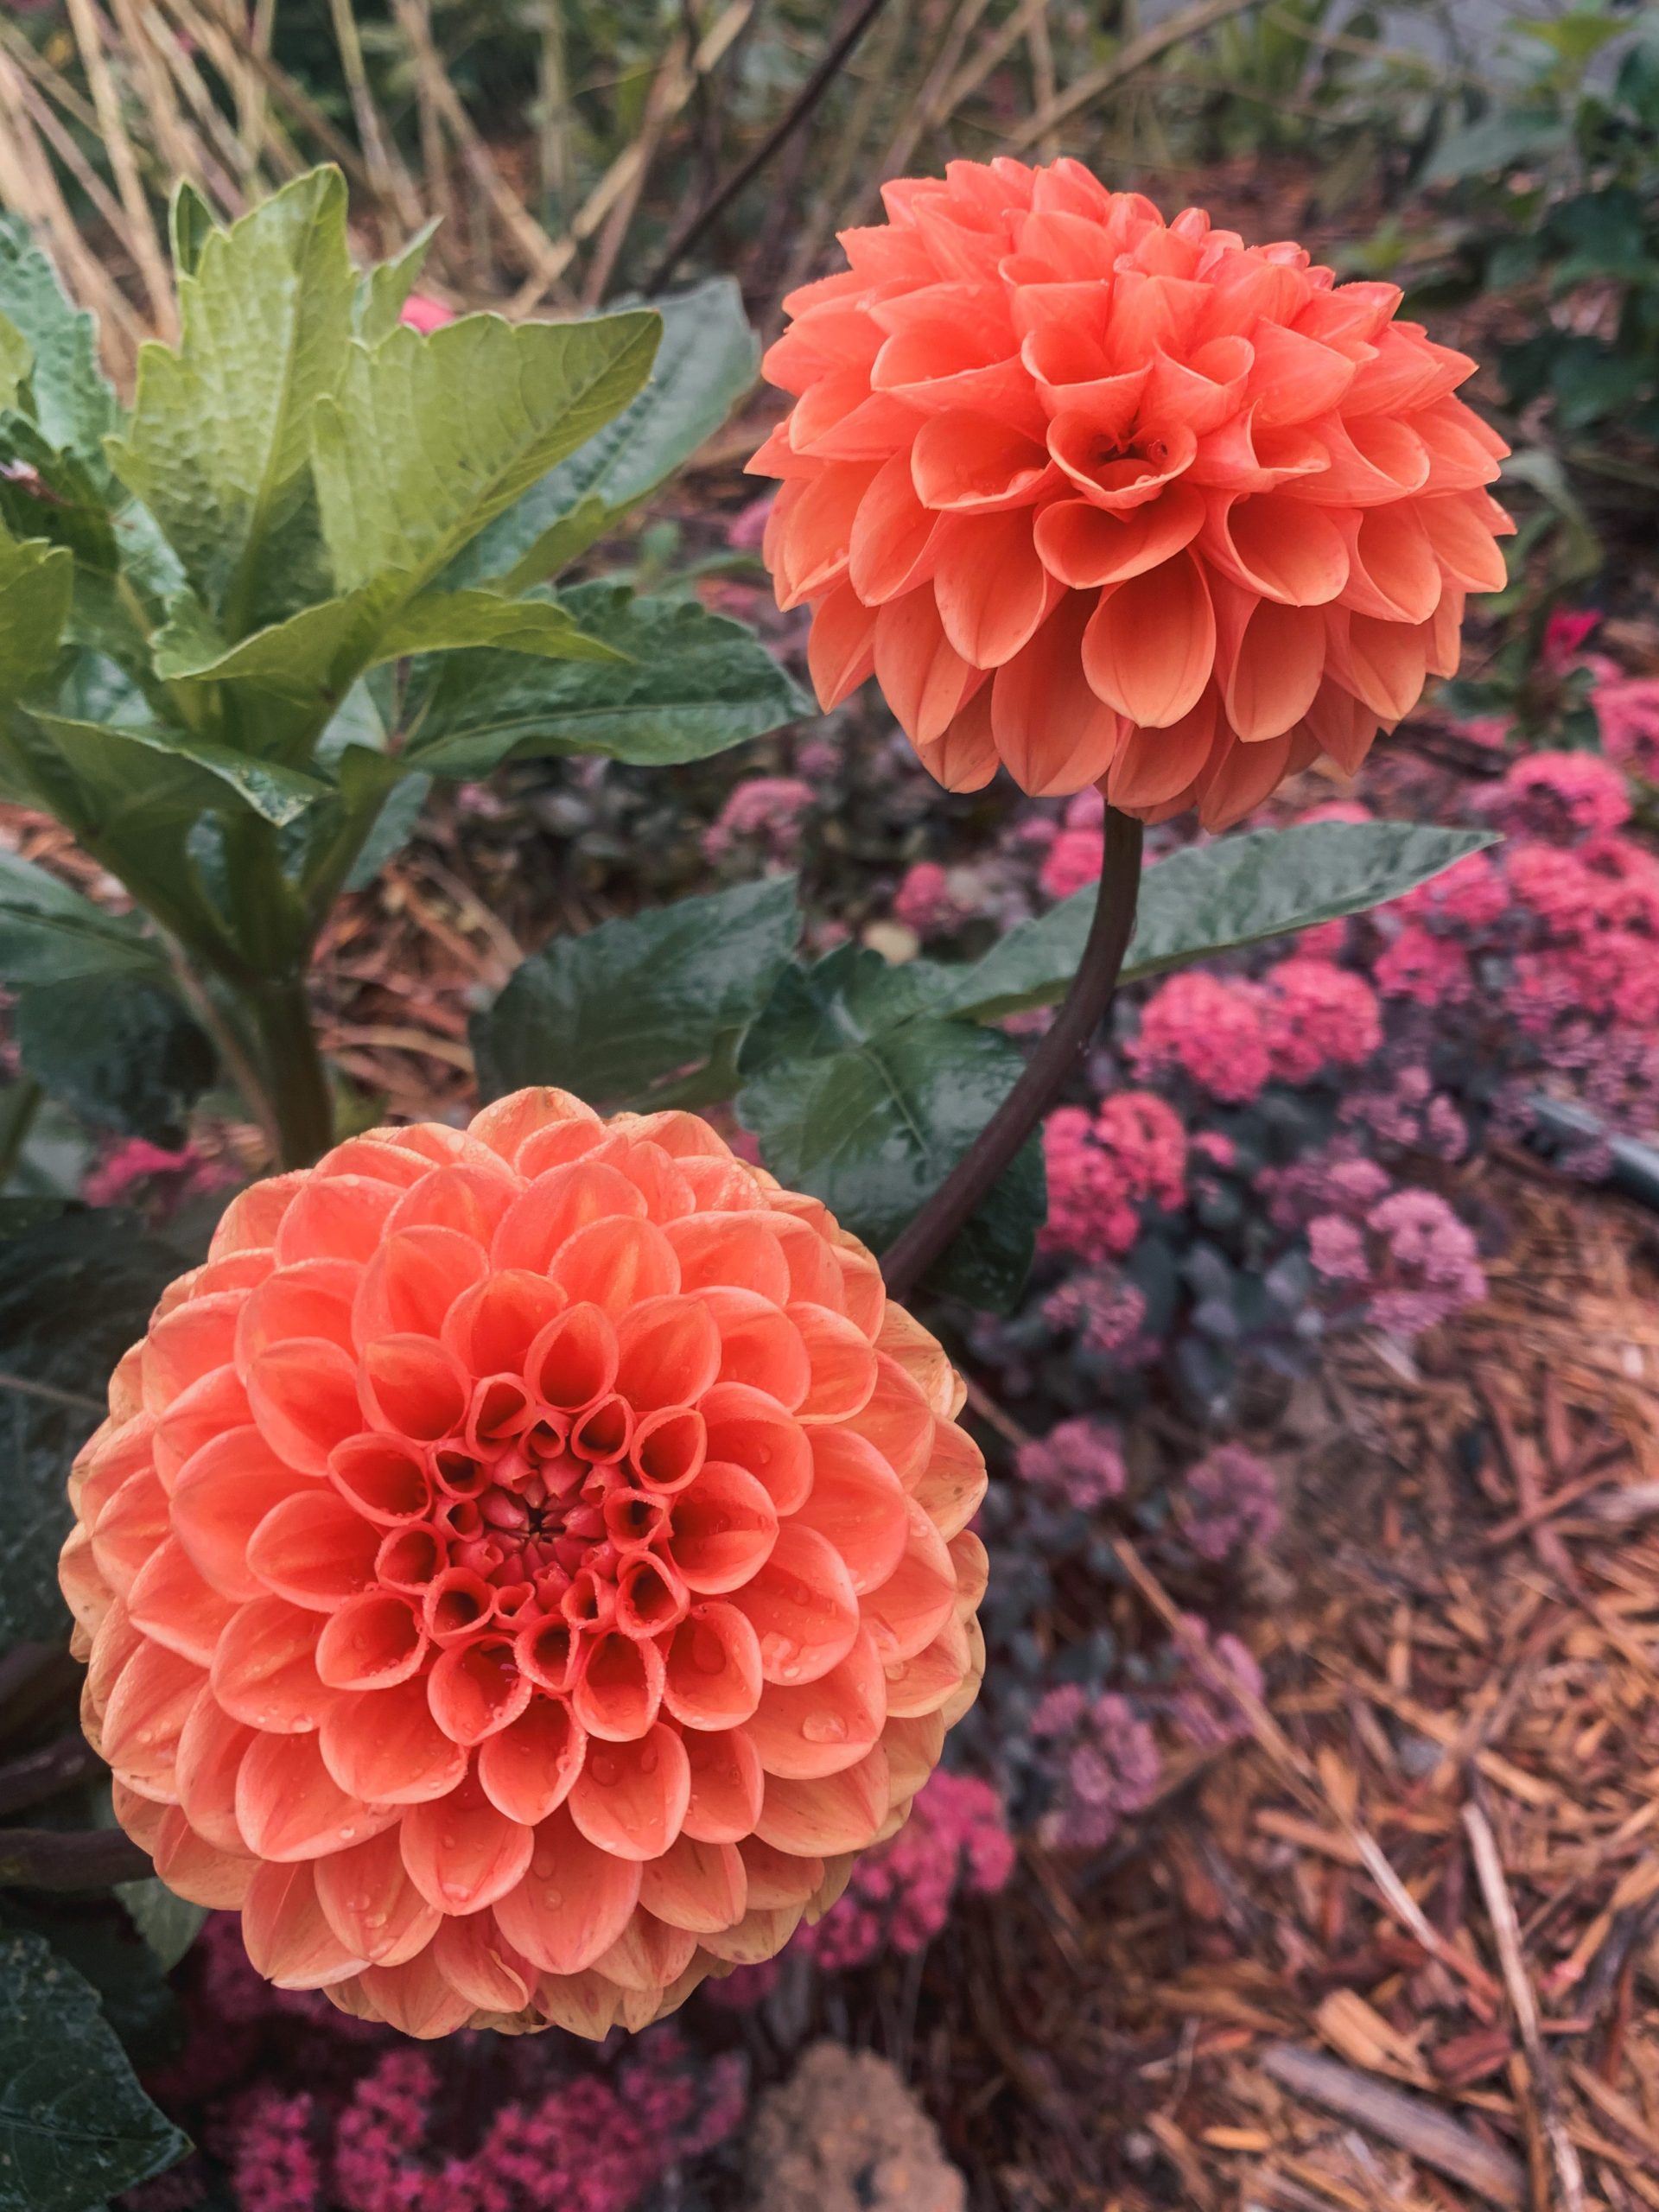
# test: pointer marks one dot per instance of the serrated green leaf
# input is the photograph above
(450, 621)
(190, 223)
(1241, 890)
(640, 998)
(16, 361)
(50, 935)
(382, 290)
(428, 439)
(866, 1103)
(201, 777)
(75, 2127)
(73, 403)
(695, 684)
(123, 1052)
(220, 438)
(708, 360)
(75, 1294)
(48, 494)
(36, 583)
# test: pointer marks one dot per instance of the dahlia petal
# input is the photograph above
(1404, 372)
(616, 1264)
(648, 1955)
(311, 1298)
(841, 1361)
(205, 1410)
(906, 1610)
(526, 1769)
(413, 1386)
(897, 1419)
(963, 758)
(1084, 545)
(840, 651)
(384, 1745)
(334, 1217)
(387, 1163)
(814, 1265)
(700, 1887)
(922, 1358)
(476, 1688)
(1270, 675)
(140, 1817)
(574, 1901)
(630, 1799)
(1382, 664)
(470, 1199)
(1462, 533)
(858, 1503)
(1052, 734)
(891, 535)
(803, 1605)
(476, 1961)
(667, 1449)
(1240, 778)
(288, 1806)
(491, 1327)
(313, 1548)
(303, 1396)
(817, 1728)
(1155, 766)
(759, 1935)
(368, 1899)
(925, 679)
(172, 1605)
(1294, 378)
(461, 1853)
(287, 1936)
(812, 544)
(265, 1667)
(829, 1813)
(115, 1452)
(148, 1705)
(912, 1747)
(251, 1221)
(760, 1347)
(504, 1126)
(1397, 576)
(1443, 634)
(712, 1678)
(730, 1251)
(1371, 460)
(572, 1362)
(187, 1344)
(726, 1781)
(1462, 454)
(777, 1879)
(953, 1481)
(1277, 548)
(1149, 648)
(373, 1641)
(619, 1688)
(1118, 482)
(1203, 390)
(193, 1869)
(131, 1524)
(668, 1353)
(924, 1682)
(988, 585)
(381, 1477)
(412, 1282)
(88, 1594)
(1342, 726)
(413, 1997)
(558, 1144)
(749, 1428)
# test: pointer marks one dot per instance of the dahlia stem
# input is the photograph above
(296, 1082)
(59, 1858)
(970, 1182)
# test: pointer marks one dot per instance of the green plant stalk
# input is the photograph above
(21, 1103)
(296, 1083)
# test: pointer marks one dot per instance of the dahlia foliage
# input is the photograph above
(523, 1567)
(1112, 500)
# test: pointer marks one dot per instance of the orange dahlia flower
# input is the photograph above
(522, 1566)
(1121, 502)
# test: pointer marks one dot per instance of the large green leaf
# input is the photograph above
(172, 773)
(75, 1294)
(123, 1052)
(452, 621)
(50, 935)
(860, 1095)
(16, 359)
(641, 998)
(36, 583)
(75, 2127)
(57, 496)
(705, 363)
(221, 434)
(693, 684)
(428, 439)
(1207, 898)
(73, 403)
(381, 293)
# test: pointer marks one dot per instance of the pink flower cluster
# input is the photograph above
(767, 812)
(1105, 1765)
(1414, 1262)
(1228, 1501)
(137, 1168)
(1318, 1016)
(1105, 1167)
(1229, 1037)
(1562, 795)
(956, 1842)
(1079, 1464)
(1075, 857)
(933, 901)
(1201, 1709)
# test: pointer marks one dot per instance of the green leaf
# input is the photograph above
(168, 1923)
(75, 2127)
(37, 581)
(50, 935)
(73, 403)
(640, 998)
(75, 1294)
(124, 1053)
(382, 289)
(190, 223)
(394, 826)
(1496, 142)
(1207, 898)
(447, 621)
(220, 433)
(708, 360)
(866, 1100)
(428, 439)
(200, 775)
(695, 684)
(16, 360)
(45, 494)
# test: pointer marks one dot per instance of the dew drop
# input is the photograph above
(824, 1728)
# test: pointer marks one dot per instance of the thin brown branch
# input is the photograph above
(54, 1859)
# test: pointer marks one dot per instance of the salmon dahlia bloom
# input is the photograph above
(523, 1567)
(1116, 501)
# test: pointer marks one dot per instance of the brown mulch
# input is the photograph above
(1394, 1953)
